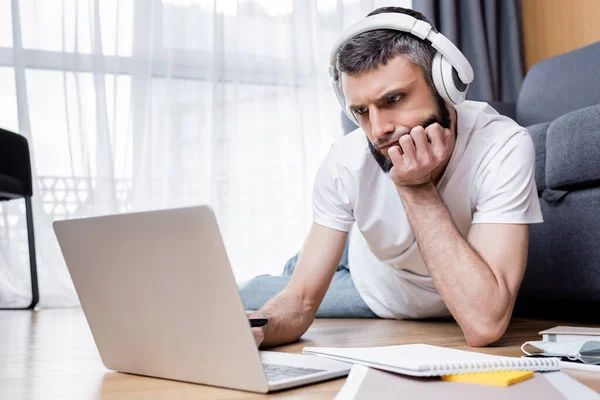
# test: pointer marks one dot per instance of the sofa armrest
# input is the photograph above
(573, 150)
(14, 159)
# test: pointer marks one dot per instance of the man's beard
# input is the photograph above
(442, 117)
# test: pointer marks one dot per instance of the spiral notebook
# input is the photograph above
(427, 360)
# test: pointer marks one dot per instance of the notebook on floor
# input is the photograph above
(427, 360)
(566, 333)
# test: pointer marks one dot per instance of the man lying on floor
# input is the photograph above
(437, 192)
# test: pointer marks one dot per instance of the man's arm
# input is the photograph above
(478, 279)
(293, 310)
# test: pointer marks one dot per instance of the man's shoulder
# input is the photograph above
(496, 141)
(480, 116)
(353, 140)
(488, 130)
(351, 151)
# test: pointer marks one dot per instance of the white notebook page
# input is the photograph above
(420, 359)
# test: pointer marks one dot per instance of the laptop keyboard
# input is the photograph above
(276, 372)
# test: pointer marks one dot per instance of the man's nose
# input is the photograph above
(380, 125)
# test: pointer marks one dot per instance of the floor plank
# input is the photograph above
(50, 354)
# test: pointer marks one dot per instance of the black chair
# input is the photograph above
(15, 183)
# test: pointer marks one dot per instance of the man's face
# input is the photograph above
(391, 100)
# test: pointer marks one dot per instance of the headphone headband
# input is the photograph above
(406, 23)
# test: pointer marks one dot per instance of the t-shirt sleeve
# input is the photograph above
(331, 201)
(505, 185)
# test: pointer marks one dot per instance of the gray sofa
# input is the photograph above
(559, 102)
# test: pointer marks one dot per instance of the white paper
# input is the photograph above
(426, 360)
(353, 382)
(569, 387)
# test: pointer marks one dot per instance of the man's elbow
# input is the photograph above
(485, 333)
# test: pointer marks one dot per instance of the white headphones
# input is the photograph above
(451, 71)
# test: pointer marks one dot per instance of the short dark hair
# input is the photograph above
(369, 50)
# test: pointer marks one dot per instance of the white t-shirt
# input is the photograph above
(489, 179)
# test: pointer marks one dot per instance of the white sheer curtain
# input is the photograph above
(145, 104)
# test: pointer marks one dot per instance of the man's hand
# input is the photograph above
(259, 335)
(418, 154)
(293, 310)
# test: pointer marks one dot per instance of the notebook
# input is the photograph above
(427, 360)
(566, 333)
(365, 383)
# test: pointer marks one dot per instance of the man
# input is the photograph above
(438, 198)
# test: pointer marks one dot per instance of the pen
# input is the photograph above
(257, 322)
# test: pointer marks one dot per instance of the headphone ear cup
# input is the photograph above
(436, 75)
(455, 87)
(446, 80)
(339, 93)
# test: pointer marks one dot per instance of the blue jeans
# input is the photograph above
(342, 300)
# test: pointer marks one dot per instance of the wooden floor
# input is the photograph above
(50, 354)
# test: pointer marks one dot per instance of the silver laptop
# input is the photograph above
(161, 300)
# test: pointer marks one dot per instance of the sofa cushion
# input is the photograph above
(573, 150)
(564, 256)
(538, 134)
(559, 85)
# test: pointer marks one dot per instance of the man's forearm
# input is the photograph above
(465, 282)
(289, 318)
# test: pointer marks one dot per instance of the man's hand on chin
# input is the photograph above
(417, 155)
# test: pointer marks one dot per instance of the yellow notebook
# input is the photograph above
(501, 378)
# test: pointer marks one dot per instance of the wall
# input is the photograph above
(552, 27)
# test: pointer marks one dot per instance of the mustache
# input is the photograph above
(395, 136)
(391, 138)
